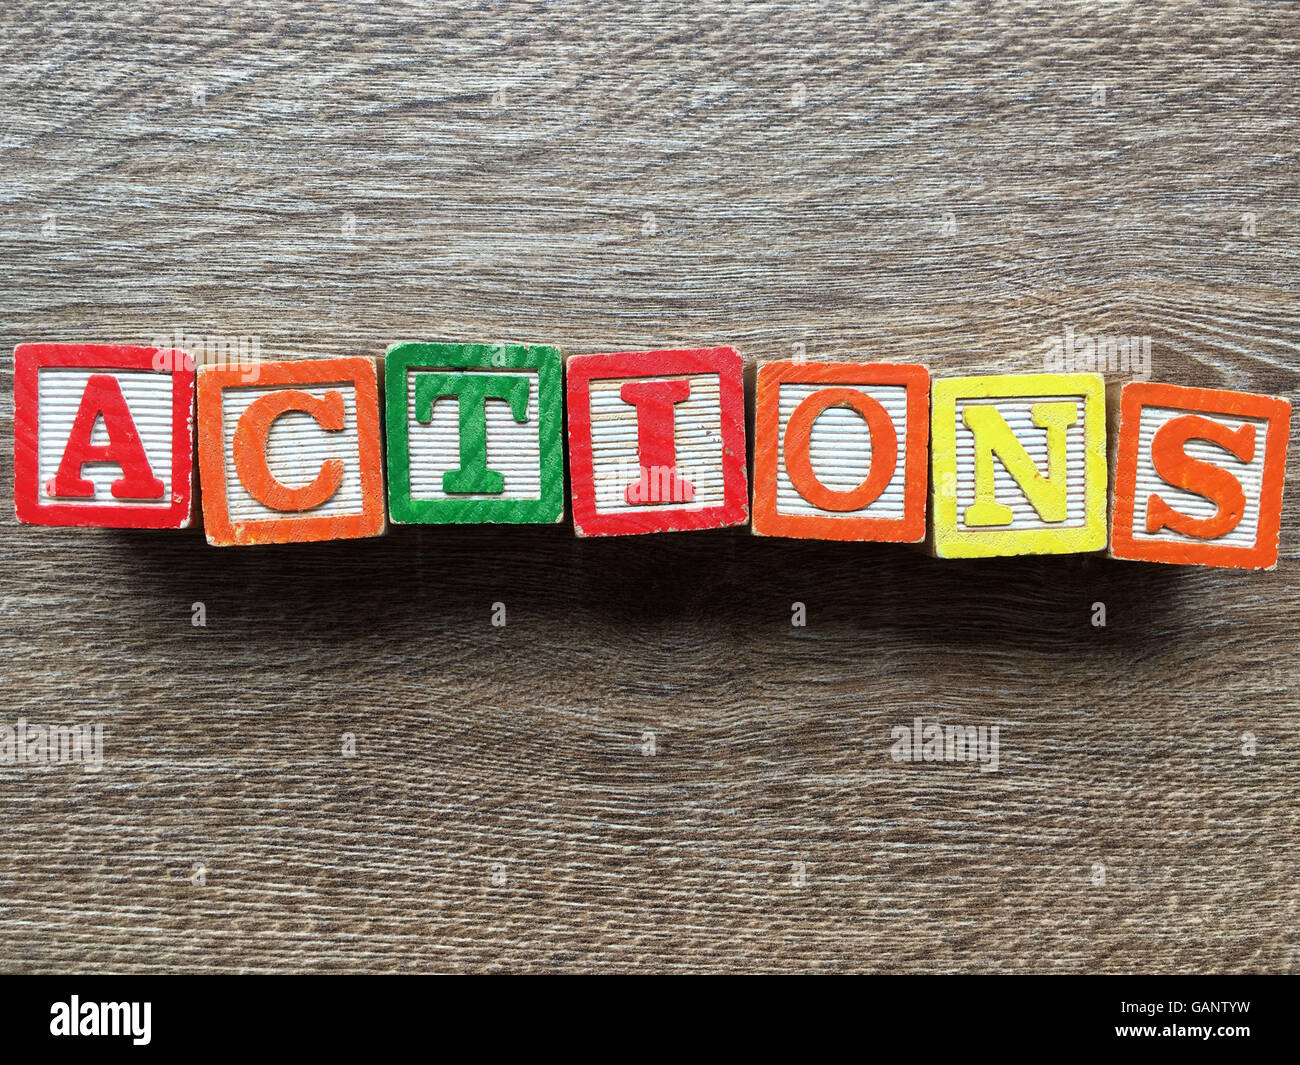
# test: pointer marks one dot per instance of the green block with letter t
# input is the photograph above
(474, 433)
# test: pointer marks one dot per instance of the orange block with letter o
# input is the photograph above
(290, 452)
(1198, 476)
(840, 450)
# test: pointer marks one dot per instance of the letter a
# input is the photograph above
(103, 398)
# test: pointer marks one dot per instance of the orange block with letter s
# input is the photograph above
(1197, 476)
(290, 451)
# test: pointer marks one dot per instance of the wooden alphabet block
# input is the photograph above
(840, 451)
(657, 441)
(474, 433)
(1197, 475)
(103, 436)
(290, 451)
(1018, 465)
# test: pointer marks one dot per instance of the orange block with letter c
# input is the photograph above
(290, 451)
(841, 451)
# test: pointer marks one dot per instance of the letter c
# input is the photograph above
(250, 449)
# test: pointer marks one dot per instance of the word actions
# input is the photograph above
(655, 441)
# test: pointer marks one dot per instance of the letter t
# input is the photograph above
(472, 391)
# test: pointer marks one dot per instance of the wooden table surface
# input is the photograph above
(648, 767)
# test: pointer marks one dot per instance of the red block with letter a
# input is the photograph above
(657, 441)
(1198, 476)
(103, 436)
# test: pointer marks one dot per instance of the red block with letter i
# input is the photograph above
(657, 441)
(103, 436)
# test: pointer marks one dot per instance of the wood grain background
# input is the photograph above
(953, 184)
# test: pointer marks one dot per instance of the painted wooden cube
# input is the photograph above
(1018, 465)
(103, 436)
(840, 451)
(657, 441)
(290, 451)
(1198, 475)
(474, 433)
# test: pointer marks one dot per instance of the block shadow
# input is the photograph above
(418, 581)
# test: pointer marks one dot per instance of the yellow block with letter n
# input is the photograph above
(1018, 465)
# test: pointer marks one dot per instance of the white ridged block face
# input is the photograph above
(697, 433)
(295, 449)
(840, 450)
(148, 397)
(1018, 413)
(513, 448)
(1148, 481)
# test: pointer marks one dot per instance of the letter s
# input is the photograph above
(1174, 465)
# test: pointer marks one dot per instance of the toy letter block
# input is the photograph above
(103, 436)
(657, 441)
(474, 433)
(840, 451)
(1018, 465)
(1198, 476)
(290, 452)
